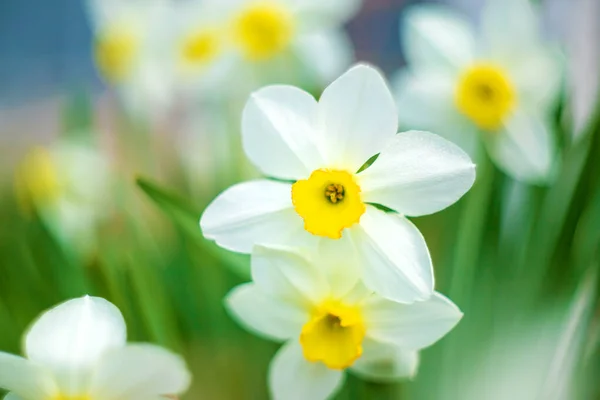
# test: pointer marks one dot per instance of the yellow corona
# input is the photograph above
(38, 180)
(334, 335)
(263, 30)
(200, 48)
(329, 201)
(485, 95)
(115, 51)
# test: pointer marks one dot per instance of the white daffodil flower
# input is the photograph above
(322, 146)
(66, 184)
(78, 351)
(331, 323)
(241, 45)
(497, 85)
(129, 50)
(199, 48)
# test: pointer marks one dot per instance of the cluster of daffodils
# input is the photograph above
(78, 351)
(339, 272)
(66, 185)
(152, 49)
(495, 87)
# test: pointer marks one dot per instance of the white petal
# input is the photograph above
(424, 96)
(357, 294)
(25, 378)
(426, 101)
(289, 274)
(84, 170)
(265, 315)
(325, 13)
(337, 260)
(326, 53)
(139, 372)
(410, 326)
(357, 116)
(135, 14)
(382, 362)
(418, 173)
(101, 12)
(525, 149)
(437, 36)
(72, 336)
(394, 256)
(279, 133)
(292, 377)
(538, 77)
(149, 91)
(510, 26)
(255, 212)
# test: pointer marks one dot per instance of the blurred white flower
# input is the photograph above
(240, 45)
(67, 185)
(331, 322)
(199, 48)
(78, 351)
(498, 85)
(129, 50)
(322, 146)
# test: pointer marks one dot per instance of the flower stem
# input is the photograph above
(470, 233)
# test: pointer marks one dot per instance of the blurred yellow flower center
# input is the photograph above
(201, 48)
(114, 53)
(485, 95)
(37, 181)
(334, 335)
(328, 201)
(264, 29)
(64, 397)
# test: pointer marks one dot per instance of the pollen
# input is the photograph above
(334, 335)
(334, 192)
(263, 30)
(114, 53)
(328, 201)
(486, 96)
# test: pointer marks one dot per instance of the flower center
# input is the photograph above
(328, 201)
(114, 53)
(65, 397)
(485, 95)
(334, 335)
(37, 179)
(334, 192)
(263, 30)
(200, 48)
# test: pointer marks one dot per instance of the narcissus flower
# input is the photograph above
(129, 50)
(496, 86)
(77, 351)
(66, 184)
(240, 45)
(331, 322)
(324, 147)
(271, 36)
(198, 47)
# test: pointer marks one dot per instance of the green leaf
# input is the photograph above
(180, 211)
(186, 217)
